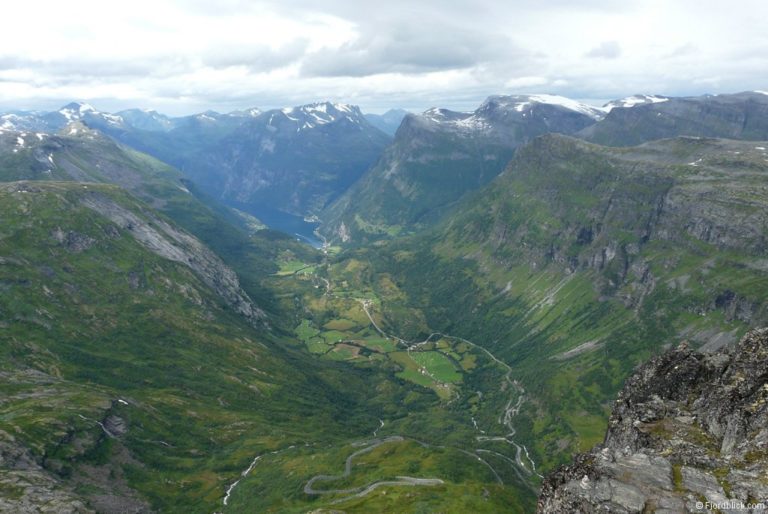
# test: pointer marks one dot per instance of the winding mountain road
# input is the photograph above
(375, 443)
(360, 491)
(511, 409)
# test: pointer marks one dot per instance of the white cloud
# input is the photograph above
(524, 82)
(187, 55)
(606, 50)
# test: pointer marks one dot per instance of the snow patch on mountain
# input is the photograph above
(633, 100)
(561, 101)
(322, 113)
(482, 120)
(75, 111)
(524, 103)
(114, 119)
(461, 121)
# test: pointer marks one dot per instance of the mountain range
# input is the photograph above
(487, 283)
(327, 159)
(738, 116)
(576, 258)
(458, 152)
(463, 151)
(295, 160)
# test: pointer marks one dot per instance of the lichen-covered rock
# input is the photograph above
(687, 428)
(26, 487)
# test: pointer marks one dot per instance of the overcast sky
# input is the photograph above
(183, 56)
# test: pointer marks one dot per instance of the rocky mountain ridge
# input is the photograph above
(687, 434)
(440, 155)
(644, 118)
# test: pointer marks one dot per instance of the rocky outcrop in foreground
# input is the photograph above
(688, 433)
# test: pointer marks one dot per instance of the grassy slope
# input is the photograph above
(93, 319)
(522, 272)
(523, 269)
(162, 368)
(398, 193)
(89, 156)
(111, 321)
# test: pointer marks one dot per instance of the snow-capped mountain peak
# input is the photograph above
(524, 103)
(462, 121)
(440, 113)
(8, 121)
(501, 111)
(146, 119)
(76, 110)
(322, 113)
(207, 116)
(633, 100)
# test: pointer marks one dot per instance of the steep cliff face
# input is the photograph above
(439, 156)
(633, 215)
(688, 433)
(579, 262)
(147, 228)
(167, 241)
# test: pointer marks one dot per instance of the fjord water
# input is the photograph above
(282, 221)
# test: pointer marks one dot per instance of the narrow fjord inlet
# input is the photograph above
(403, 284)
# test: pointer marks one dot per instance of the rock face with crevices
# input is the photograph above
(688, 428)
(171, 243)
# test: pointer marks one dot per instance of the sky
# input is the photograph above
(185, 56)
